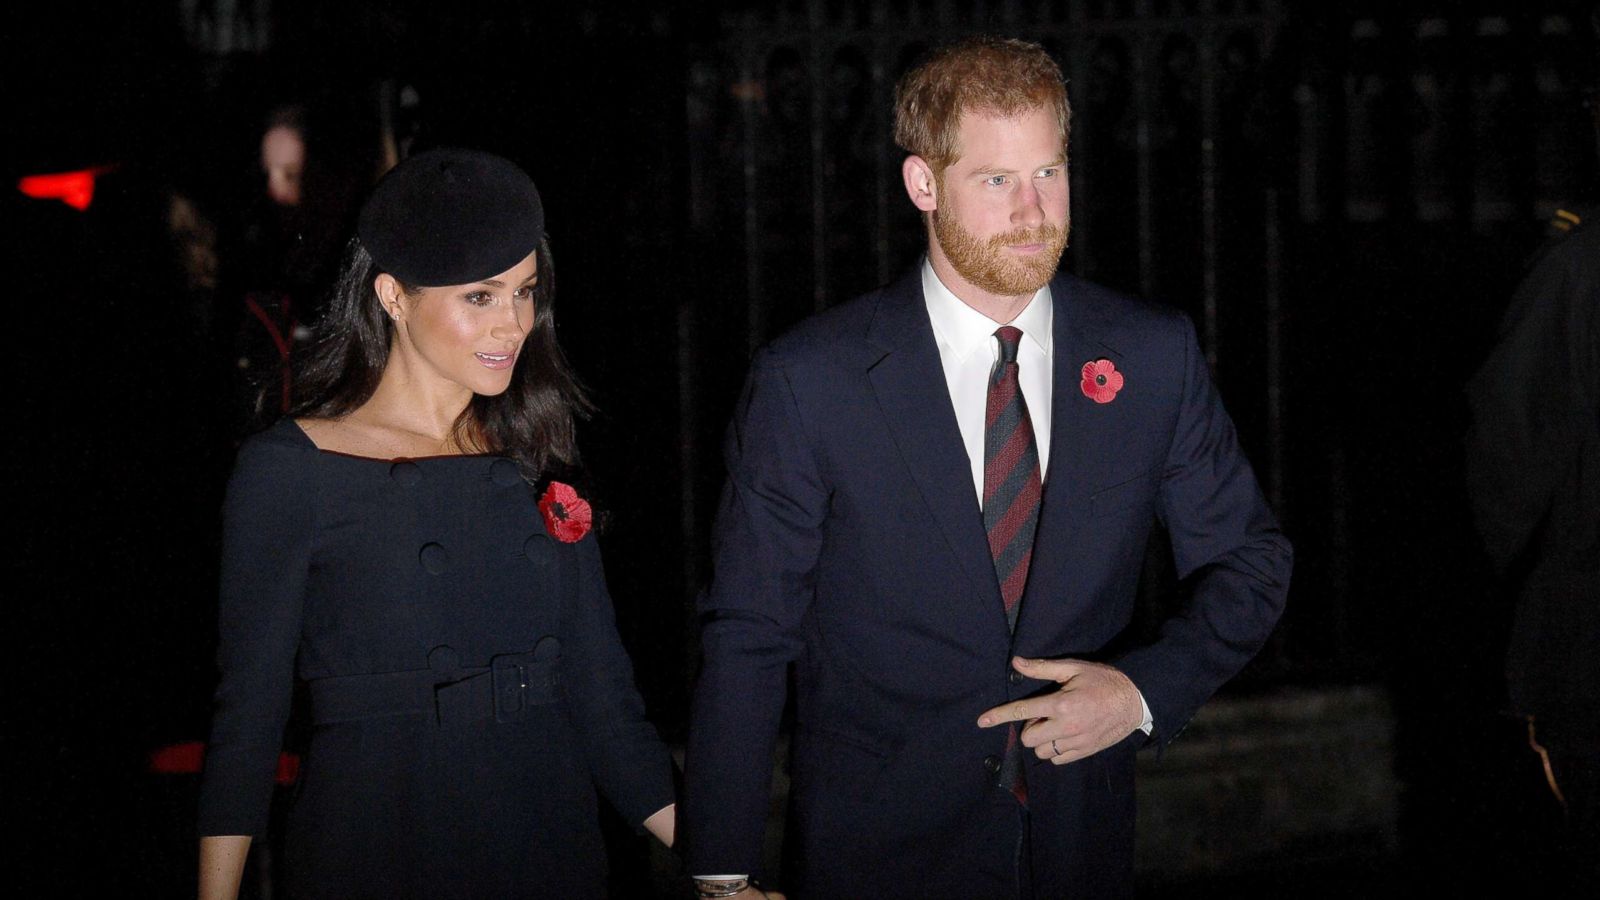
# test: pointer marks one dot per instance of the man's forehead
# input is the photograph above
(977, 125)
(989, 115)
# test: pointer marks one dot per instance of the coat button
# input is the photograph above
(434, 558)
(1015, 676)
(504, 472)
(406, 473)
(992, 763)
(548, 648)
(539, 549)
(443, 660)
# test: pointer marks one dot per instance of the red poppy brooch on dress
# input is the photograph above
(566, 515)
(1101, 381)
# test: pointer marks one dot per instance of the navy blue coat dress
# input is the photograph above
(468, 687)
(850, 546)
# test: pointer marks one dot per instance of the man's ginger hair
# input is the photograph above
(980, 74)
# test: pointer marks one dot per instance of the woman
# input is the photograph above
(386, 546)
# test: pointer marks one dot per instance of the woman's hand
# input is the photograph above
(754, 893)
(222, 865)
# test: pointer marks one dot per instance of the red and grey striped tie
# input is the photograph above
(1011, 491)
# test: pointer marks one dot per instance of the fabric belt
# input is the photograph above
(502, 691)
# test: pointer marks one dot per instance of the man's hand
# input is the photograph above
(663, 823)
(1096, 707)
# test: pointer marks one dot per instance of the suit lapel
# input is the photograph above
(908, 381)
(1081, 440)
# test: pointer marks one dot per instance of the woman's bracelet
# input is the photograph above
(713, 890)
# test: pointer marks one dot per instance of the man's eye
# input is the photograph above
(1051, 172)
(995, 180)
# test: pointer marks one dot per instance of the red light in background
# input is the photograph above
(178, 759)
(76, 189)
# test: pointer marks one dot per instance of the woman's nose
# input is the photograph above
(510, 325)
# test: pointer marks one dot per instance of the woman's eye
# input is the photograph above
(524, 293)
(480, 298)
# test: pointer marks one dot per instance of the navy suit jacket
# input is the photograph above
(850, 544)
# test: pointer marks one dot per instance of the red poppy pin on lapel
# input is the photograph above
(1101, 381)
(566, 515)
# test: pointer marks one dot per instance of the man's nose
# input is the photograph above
(1028, 212)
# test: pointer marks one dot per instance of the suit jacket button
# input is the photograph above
(1016, 677)
(992, 763)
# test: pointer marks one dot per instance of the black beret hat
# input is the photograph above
(451, 217)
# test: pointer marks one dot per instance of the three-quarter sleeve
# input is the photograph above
(268, 530)
(626, 756)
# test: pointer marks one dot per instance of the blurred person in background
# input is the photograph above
(1533, 476)
(311, 165)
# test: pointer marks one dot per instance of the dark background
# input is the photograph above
(1343, 195)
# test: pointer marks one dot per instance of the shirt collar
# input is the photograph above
(964, 329)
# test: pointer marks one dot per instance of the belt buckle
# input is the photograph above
(511, 675)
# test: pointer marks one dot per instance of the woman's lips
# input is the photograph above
(496, 360)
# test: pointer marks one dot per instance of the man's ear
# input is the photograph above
(921, 186)
(388, 291)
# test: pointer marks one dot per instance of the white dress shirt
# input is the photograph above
(969, 351)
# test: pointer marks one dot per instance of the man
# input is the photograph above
(1533, 455)
(940, 522)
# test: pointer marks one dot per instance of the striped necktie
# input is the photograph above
(1011, 492)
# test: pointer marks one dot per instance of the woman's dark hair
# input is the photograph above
(532, 421)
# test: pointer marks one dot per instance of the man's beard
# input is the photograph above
(987, 266)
